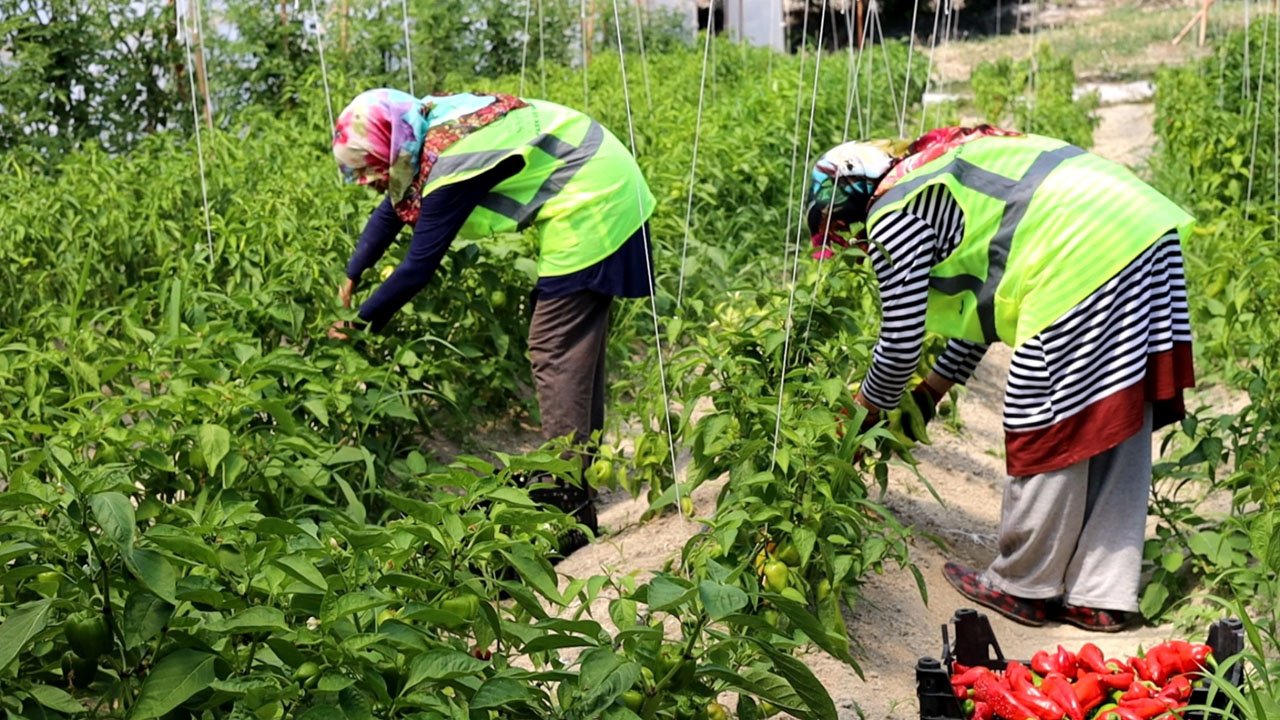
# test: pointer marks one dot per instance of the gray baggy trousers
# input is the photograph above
(1078, 532)
(567, 341)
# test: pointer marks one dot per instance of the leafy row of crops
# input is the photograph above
(212, 511)
(1218, 127)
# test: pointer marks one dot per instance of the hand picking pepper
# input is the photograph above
(989, 689)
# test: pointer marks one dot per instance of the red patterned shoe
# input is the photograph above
(970, 584)
(1095, 619)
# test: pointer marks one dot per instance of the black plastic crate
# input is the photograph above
(976, 644)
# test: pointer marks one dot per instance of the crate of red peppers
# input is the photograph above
(974, 681)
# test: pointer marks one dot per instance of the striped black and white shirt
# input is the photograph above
(1099, 347)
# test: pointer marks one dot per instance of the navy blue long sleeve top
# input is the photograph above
(625, 273)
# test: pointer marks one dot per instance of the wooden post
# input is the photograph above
(1204, 20)
(588, 31)
(859, 17)
(342, 25)
(197, 49)
(1201, 17)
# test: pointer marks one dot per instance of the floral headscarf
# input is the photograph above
(378, 140)
(389, 140)
(934, 144)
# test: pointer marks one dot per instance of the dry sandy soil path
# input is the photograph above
(893, 625)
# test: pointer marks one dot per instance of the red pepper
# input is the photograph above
(1018, 676)
(1177, 655)
(1125, 713)
(982, 711)
(1178, 688)
(1088, 691)
(1066, 661)
(1138, 690)
(1116, 681)
(969, 676)
(1106, 712)
(958, 669)
(1161, 664)
(1187, 657)
(1091, 658)
(1058, 688)
(1043, 707)
(960, 691)
(1201, 653)
(1140, 667)
(1045, 663)
(1145, 708)
(990, 690)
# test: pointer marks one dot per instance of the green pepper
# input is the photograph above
(775, 576)
(633, 699)
(465, 606)
(716, 711)
(789, 555)
(87, 635)
(307, 673)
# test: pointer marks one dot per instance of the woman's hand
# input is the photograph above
(338, 330)
(345, 292)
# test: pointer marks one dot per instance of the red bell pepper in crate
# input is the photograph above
(1145, 708)
(1058, 689)
(1116, 681)
(1139, 689)
(1088, 691)
(989, 689)
(1091, 658)
(1066, 662)
(1044, 663)
(1035, 701)
(1018, 676)
(1178, 688)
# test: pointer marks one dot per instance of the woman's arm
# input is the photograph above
(441, 216)
(379, 232)
(956, 364)
(902, 254)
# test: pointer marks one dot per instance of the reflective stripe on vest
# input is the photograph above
(573, 158)
(1082, 229)
(606, 199)
(1016, 195)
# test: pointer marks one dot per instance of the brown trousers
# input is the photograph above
(567, 339)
